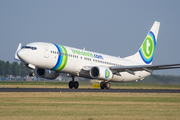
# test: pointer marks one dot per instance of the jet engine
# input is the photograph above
(49, 74)
(100, 72)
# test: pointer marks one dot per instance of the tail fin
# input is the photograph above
(144, 55)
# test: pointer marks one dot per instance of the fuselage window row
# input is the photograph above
(85, 58)
(104, 62)
(74, 56)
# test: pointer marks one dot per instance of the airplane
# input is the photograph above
(47, 60)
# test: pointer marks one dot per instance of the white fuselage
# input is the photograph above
(72, 61)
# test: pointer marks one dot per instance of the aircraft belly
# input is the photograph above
(127, 77)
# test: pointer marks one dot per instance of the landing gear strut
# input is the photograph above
(73, 83)
(104, 85)
(31, 74)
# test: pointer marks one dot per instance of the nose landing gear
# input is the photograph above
(73, 83)
(31, 74)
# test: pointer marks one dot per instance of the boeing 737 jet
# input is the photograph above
(48, 60)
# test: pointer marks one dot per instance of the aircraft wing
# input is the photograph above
(148, 68)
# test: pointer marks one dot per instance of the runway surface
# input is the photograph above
(89, 90)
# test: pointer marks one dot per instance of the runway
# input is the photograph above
(89, 90)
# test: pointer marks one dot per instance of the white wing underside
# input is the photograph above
(132, 69)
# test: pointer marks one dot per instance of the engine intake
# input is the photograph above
(100, 72)
(94, 72)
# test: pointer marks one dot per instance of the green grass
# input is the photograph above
(89, 106)
(57, 84)
(32, 83)
(146, 85)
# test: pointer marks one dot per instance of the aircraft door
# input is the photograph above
(46, 52)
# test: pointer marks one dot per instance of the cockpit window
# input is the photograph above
(29, 47)
(34, 48)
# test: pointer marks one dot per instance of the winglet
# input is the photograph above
(15, 56)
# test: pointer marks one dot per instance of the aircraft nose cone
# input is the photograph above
(22, 55)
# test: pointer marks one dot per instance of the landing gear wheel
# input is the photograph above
(102, 85)
(76, 84)
(31, 74)
(107, 85)
(71, 84)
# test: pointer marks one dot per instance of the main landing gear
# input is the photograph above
(104, 85)
(73, 83)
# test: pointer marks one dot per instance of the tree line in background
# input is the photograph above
(15, 69)
(162, 79)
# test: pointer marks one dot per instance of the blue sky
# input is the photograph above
(114, 27)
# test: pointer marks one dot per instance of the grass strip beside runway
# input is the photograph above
(89, 106)
(58, 84)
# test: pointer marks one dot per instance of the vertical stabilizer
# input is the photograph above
(144, 55)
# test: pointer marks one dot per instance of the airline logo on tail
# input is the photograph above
(147, 49)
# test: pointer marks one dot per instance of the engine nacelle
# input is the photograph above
(100, 72)
(49, 74)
